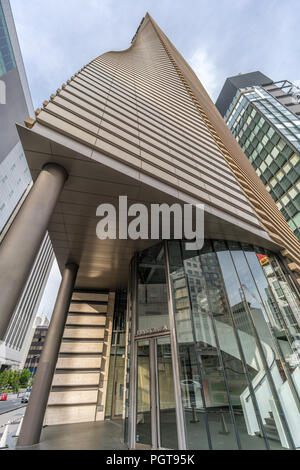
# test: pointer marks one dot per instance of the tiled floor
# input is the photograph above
(107, 435)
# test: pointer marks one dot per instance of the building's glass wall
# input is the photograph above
(143, 405)
(237, 327)
(115, 386)
(166, 396)
(130, 318)
(7, 59)
(269, 134)
(152, 302)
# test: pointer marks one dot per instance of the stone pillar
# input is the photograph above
(34, 416)
(23, 240)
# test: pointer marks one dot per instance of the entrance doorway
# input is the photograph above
(155, 408)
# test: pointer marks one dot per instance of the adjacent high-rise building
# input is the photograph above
(15, 185)
(264, 116)
(36, 347)
(202, 351)
(39, 321)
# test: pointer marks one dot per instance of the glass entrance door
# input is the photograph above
(156, 411)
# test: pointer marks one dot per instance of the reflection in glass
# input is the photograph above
(115, 385)
(208, 308)
(237, 327)
(143, 418)
(166, 396)
(254, 365)
(223, 370)
(192, 389)
(268, 381)
(152, 303)
(282, 319)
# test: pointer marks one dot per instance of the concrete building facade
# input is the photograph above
(193, 349)
(265, 119)
(39, 321)
(15, 184)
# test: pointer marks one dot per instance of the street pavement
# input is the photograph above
(11, 404)
(11, 411)
(14, 417)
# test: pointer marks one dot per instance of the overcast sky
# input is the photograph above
(219, 38)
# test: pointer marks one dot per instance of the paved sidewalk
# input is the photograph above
(107, 435)
(12, 403)
(14, 417)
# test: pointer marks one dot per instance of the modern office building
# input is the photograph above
(264, 116)
(39, 321)
(36, 348)
(15, 184)
(193, 349)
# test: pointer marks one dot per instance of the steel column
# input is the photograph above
(22, 242)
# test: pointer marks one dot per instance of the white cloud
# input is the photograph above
(55, 49)
(206, 70)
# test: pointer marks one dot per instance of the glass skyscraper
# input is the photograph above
(265, 119)
(7, 58)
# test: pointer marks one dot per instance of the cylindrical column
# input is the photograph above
(34, 417)
(23, 240)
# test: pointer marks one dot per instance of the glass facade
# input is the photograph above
(152, 301)
(7, 59)
(115, 384)
(236, 314)
(269, 134)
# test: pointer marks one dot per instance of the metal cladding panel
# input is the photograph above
(134, 106)
(265, 208)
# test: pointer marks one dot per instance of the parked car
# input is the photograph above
(25, 397)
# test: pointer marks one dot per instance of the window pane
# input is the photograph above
(143, 418)
(192, 388)
(271, 382)
(152, 302)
